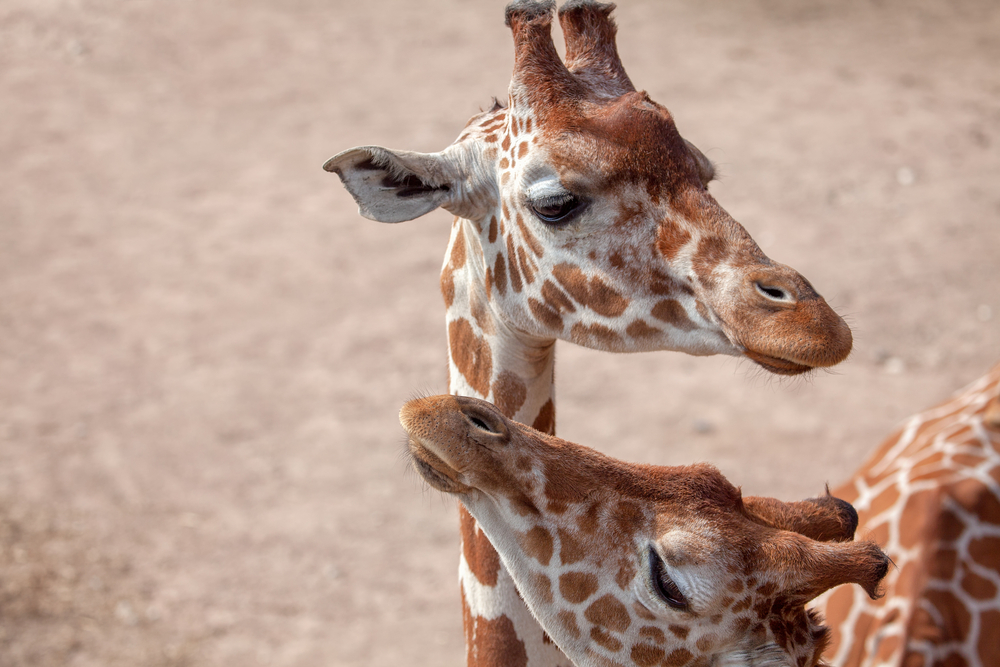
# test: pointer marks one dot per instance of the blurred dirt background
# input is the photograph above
(203, 347)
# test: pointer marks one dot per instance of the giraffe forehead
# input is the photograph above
(631, 140)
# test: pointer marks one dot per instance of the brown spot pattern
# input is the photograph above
(978, 587)
(591, 293)
(640, 330)
(608, 611)
(672, 312)
(988, 646)
(642, 612)
(646, 655)
(529, 274)
(576, 587)
(711, 252)
(545, 314)
(602, 637)
(528, 237)
(481, 557)
(471, 354)
(515, 276)
(500, 275)
(626, 572)
(493, 229)
(957, 618)
(978, 499)
(671, 239)
(488, 641)
(568, 620)
(448, 285)
(543, 587)
(986, 552)
(595, 336)
(680, 657)
(546, 419)
(509, 392)
(570, 549)
(537, 543)
(457, 259)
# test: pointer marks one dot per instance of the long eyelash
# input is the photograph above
(664, 585)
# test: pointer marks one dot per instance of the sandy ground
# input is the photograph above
(203, 347)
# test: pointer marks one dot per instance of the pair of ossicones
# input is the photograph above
(612, 556)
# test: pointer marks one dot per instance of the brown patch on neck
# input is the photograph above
(509, 392)
(537, 543)
(493, 642)
(471, 354)
(546, 419)
(481, 557)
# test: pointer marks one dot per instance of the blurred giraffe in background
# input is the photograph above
(930, 495)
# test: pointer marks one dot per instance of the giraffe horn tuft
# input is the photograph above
(538, 70)
(591, 50)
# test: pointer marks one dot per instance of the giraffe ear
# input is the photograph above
(706, 170)
(826, 518)
(393, 186)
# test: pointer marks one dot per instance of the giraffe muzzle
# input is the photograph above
(446, 436)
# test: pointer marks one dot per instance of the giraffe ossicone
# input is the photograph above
(628, 564)
(582, 214)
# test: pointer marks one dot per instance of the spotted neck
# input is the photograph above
(488, 359)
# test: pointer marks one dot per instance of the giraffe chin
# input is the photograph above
(776, 365)
(433, 470)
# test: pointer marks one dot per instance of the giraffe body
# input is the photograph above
(930, 494)
(628, 564)
(581, 214)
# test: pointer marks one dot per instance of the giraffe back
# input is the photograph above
(930, 495)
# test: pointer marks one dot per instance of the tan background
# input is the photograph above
(203, 347)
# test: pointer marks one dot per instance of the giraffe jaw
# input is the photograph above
(433, 470)
(776, 365)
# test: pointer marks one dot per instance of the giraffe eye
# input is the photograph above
(663, 584)
(556, 209)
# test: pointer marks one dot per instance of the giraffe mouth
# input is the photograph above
(776, 365)
(433, 470)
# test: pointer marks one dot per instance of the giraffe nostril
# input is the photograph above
(486, 422)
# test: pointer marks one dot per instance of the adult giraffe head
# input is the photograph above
(640, 565)
(582, 214)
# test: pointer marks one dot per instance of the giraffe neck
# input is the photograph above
(490, 360)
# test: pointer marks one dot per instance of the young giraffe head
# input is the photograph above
(582, 214)
(643, 565)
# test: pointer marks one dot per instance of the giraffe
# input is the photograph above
(931, 495)
(641, 565)
(580, 213)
